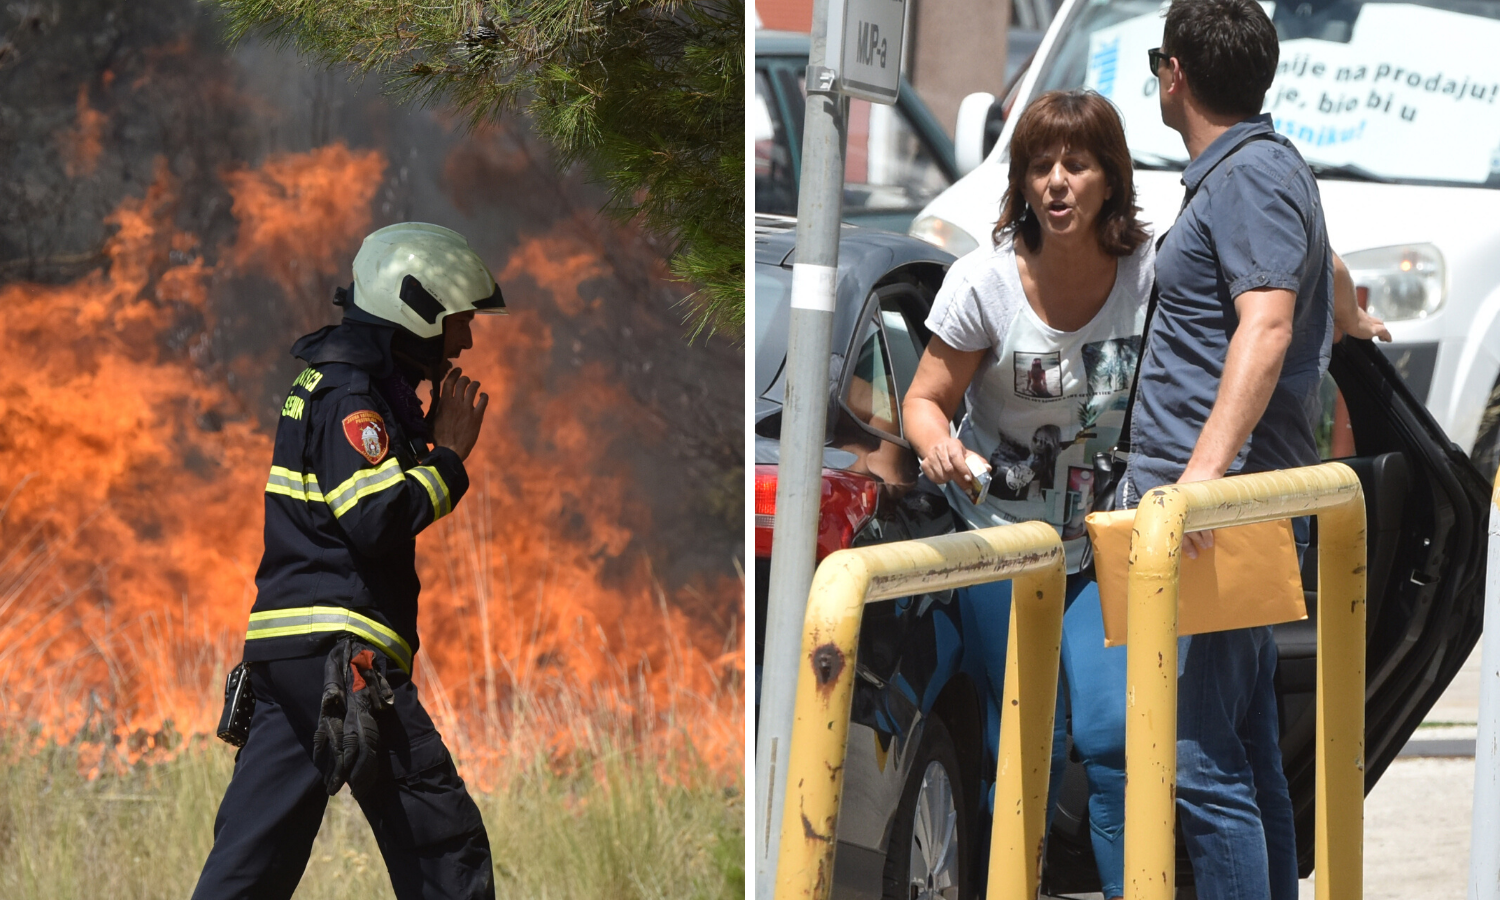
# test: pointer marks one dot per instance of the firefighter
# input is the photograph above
(358, 470)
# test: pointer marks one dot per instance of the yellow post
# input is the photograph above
(1340, 822)
(1151, 698)
(1026, 720)
(1332, 492)
(1030, 553)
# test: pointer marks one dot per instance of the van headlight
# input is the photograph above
(1408, 281)
(943, 233)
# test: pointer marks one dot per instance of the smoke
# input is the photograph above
(188, 221)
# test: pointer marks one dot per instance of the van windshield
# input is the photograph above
(1398, 92)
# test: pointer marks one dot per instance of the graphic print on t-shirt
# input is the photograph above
(1111, 364)
(1080, 485)
(1039, 374)
(1023, 473)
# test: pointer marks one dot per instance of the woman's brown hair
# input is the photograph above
(1079, 120)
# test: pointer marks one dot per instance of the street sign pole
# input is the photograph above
(854, 38)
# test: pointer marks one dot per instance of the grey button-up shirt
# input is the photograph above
(1254, 220)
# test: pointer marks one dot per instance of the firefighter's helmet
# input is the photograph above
(413, 274)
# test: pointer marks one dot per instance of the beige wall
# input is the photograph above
(954, 48)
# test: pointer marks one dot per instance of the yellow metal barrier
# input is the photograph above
(1031, 555)
(1332, 492)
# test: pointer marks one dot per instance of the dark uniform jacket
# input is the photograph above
(347, 495)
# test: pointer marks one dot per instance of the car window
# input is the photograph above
(870, 393)
(773, 288)
(775, 181)
(906, 352)
(1360, 89)
(887, 166)
(1334, 433)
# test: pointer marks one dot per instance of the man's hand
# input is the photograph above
(457, 416)
(1194, 542)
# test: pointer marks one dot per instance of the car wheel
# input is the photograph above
(928, 854)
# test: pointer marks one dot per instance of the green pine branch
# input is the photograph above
(647, 95)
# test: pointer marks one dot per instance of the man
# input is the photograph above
(1236, 349)
(333, 631)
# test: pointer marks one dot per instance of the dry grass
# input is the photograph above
(613, 829)
(622, 785)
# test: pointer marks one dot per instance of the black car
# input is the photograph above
(914, 740)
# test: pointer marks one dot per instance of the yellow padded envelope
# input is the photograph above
(1249, 577)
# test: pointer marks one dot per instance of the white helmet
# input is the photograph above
(413, 274)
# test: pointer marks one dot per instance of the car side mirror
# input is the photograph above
(971, 141)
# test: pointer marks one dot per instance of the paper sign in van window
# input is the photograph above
(1413, 95)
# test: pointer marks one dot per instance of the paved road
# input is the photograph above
(1417, 818)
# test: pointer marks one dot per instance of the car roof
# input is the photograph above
(782, 43)
(865, 257)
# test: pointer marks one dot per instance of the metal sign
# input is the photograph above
(870, 57)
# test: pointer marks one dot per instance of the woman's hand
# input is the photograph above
(942, 377)
(949, 460)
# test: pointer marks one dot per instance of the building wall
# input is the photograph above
(953, 47)
(956, 47)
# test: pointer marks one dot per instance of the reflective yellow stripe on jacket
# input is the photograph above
(317, 619)
(360, 485)
(293, 484)
(437, 489)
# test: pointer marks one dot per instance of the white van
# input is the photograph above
(1394, 105)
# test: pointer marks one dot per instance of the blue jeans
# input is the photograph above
(1235, 810)
(1094, 677)
(1231, 791)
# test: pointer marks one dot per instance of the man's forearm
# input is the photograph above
(1251, 369)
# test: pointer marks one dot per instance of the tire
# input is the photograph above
(928, 855)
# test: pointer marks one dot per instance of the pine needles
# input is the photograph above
(646, 94)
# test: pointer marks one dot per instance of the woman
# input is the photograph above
(1040, 334)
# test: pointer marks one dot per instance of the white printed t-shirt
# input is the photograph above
(1043, 401)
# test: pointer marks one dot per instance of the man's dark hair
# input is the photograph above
(1228, 49)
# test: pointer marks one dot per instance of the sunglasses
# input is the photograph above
(1156, 57)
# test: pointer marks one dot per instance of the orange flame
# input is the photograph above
(131, 499)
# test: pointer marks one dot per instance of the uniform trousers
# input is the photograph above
(427, 826)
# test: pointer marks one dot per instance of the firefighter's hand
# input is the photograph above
(459, 413)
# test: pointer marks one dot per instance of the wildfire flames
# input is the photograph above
(131, 499)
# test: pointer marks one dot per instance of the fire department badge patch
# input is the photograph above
(366, 433)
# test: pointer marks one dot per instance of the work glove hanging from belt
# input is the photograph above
(346, 746)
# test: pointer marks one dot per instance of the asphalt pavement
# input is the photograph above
(1417, 817)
